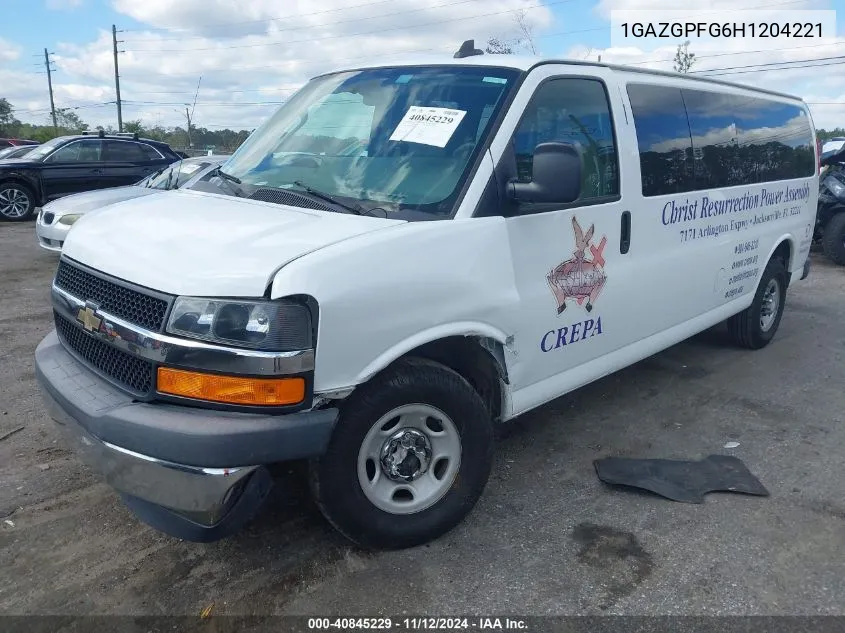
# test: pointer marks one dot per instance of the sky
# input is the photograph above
(246, 56)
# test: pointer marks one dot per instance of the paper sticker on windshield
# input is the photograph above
(428, 126)
(189, 169)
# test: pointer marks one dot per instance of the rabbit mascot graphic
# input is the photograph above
(579, 278)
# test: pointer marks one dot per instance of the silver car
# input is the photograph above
(57, 217)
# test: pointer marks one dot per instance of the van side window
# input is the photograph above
(663, 136)
(691, 140)
(741, 140)
(572, 111)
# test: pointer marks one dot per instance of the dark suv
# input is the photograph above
(72, 164)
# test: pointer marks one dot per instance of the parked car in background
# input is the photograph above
(57, 217)
(15, 151)
(833, 145)
(73, 164)
(830, 216)
(16, 142)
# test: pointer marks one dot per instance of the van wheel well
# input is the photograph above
(784, 253)
(479, 360)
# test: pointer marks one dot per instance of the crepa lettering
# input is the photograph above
(570, 334)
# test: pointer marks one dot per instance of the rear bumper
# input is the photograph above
(195, 474)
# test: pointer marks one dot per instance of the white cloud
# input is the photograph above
(261, 50)
(9, 51)
(245, 56)
(788, 132)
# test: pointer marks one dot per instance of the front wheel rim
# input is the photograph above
(14, 203)
(770, 305)
(409, 459)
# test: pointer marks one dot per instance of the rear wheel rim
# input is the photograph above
(770, 305)
(409, 459)
(14, 202)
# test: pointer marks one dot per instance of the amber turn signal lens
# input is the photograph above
(231, 389)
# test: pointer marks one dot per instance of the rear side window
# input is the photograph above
(572, 111)
(123, 151)
(150, 153)
(691, 140)
(740, 140)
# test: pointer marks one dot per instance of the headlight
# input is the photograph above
(274, 326)
(70, 218)
(836, 187)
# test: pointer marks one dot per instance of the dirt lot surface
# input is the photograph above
(547, 536)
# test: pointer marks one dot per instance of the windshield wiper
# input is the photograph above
(229, 178)
(354, 208)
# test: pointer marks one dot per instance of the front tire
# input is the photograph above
(755, 327)
(17, 202)
(833, 239)
(409, 457)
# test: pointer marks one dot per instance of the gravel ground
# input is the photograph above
(547, 536)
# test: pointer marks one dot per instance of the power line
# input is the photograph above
(331, 37)
(542, 37)
(334, 22)
(743, 72)
(203, 103)
(287, 17)
(797, 61)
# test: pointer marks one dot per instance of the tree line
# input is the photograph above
(222, 141)
(70, 122)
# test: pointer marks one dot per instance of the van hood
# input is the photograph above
(91, 200)
(193, 243)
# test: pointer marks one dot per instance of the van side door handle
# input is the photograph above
(625, 233)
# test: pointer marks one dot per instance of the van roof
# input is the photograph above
(526, 63)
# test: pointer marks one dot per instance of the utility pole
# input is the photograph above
(188, 116)
(50, 85)
(116, 78)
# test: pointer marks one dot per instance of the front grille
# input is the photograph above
(48, 218)
(124, 303)
(130, 372)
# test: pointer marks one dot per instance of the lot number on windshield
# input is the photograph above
(428, 126)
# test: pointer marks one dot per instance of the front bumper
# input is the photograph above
(192, 473)
(51, 236)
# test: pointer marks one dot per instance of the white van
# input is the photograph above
(405, 256)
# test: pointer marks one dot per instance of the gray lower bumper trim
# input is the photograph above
(172, 433)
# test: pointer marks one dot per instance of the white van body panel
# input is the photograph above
(484, 276)
(206, 244)
(387, 292)
(382, 293)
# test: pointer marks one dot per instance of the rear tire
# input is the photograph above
(420, 420)
(755, 327)
(833, 239)
(17, 202)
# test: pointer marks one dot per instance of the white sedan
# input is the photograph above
(57, 217)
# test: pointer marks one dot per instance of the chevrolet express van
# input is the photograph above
(403, 257)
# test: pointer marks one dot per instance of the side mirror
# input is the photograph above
(556, 175)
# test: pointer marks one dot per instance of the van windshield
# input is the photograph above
(400, 139)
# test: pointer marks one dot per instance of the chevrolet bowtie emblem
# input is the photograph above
(87, 316)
